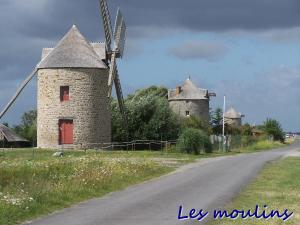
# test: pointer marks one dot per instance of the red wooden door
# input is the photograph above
(66, 132)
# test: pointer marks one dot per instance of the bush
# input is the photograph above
(273, 127)
(193, 140)
(197, 123)
(248, 140)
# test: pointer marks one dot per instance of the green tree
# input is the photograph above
(149, 116)
(273, 127)
(246, 129)
(27, 128)
(197, 123)
(216, 121)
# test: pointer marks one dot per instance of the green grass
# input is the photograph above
(264, 145)
(261, 145)
(278, 186)
(34, 183)
(33, 186)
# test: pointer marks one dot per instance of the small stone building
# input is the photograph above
(189, 100)
(232, 117)
(73, 107)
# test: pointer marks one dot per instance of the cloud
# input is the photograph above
(206, 50)
(212, 15)
(274, 95)
(275, 35)
(28, 26)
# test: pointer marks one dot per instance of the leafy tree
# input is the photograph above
(28, 126)
(197, 123)
(247, 129)
(149, 116)
(216, 121)
(273, 127)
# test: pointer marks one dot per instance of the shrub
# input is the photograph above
(273, 128)
(197, 123)
(193, 140)
(248, 140)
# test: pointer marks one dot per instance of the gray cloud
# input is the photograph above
(206, 50)
(275, 35)
(274, 95)
(28, 26)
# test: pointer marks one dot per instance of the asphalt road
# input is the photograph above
(208, 184)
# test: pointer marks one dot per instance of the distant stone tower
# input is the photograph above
(232, 117)
(189, 100)
(73, 107)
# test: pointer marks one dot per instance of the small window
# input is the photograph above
(187, 113)
(64, 93)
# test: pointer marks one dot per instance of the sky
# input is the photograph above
(246, 50)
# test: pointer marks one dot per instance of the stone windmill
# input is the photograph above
(75, 81)
(232, 117)
(190, 100)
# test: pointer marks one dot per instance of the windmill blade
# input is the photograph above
(120, 33)
(121, 101)
(112, 73)
(20, 89)
(106, 24)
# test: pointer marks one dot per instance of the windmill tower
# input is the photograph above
(232, 117)
(75, 81)
(189, 100)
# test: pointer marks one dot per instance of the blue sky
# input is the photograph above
(250, 57)
(243, 72)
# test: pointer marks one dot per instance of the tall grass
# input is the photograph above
(264, 145)
(29, 188)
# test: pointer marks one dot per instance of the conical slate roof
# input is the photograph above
(10, 135)
(233, 114)
(189, 91)
(73, 51)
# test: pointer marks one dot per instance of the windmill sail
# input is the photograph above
(112, 73)
(106, 24)
(120, 33)
(20, 89)
(114, 52)
(121, 100)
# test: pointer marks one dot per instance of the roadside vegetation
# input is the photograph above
(151, 118)
(34, 183)
(277, 187)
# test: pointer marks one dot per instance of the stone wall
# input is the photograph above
(198, 108)
(88, 106)
(234, 122)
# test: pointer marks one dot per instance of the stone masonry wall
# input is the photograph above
(234, 122)
(88, 106)
(198, 108)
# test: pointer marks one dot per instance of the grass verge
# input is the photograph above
(264, 145)
(33, 183)
(278, 187)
